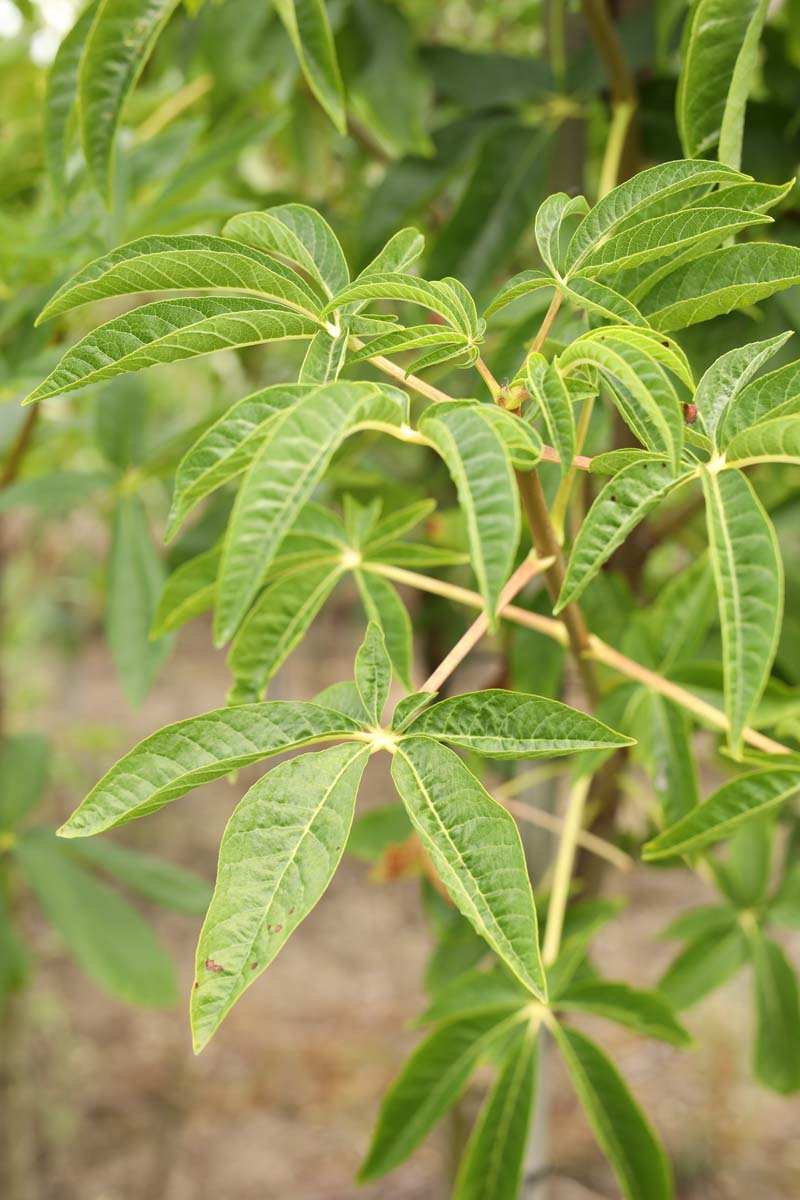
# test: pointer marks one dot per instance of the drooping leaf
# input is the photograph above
(776, 1058)
(741, 799)
(157, 880)
(429, 1084)
(647, 1013)
(275, 625)
(719, 57)
(306, 23)
(135, 578)
(719, 282)
(492, 1165)
(24, 767)
(281, 478)
(620, 1126)
(621, 505)
(112, 943)
(168, 331)
(179, 757)
(185, 262)
(727, 376)
(478, 462)
(475, 846)
(119, 42)
(62, 95)
(373, 672)
(749, 579)
(278, 854)
(503, 724)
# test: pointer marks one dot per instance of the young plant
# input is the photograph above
(653, 256)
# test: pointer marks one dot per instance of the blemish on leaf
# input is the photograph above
(278, 928)
(690, 413)
(214, 966)
(253, 966)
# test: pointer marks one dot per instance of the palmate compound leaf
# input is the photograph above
(749, 577)
(475, 847)
(745, 798)
(185, 262)
(167, 331)
(278, 854)
(429, 1084)
(621, 505)
(655, 186)
(182, 756)
(119, 43)
(719, 59)
(479, 463)
(722, 383)
(493, 1161)
(720, 281)
(620, 1126)
(502, 724)
(281, 478)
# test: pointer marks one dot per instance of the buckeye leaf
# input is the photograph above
(742, 799)
(168, 331)
(620, 1126)
(501, 724)
(279, 852)
(182, 756)
(475, 847)
(749, 578)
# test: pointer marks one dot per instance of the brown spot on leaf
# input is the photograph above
(278, 928)
(214, 966)
(690, 413)
(253, 966)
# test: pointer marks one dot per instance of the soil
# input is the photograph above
(281, 1104)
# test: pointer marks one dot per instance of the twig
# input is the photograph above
(562, 875)
(545, 820)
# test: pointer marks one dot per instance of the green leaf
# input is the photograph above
(646, 1013)
(621, 1128)
(750, 196)
(429, 1084)
(135, 579)
(168, 331)
(776, 1058)
(179, 757)
(611, 462)
(187, 592)
(159, 881)
(621, 505)
(664, 236)
(726, 378)
(672, 761)
(549, 390)
(185, 262)
(279, 853)
(298, 234)
(402, 249)
(394, 524)
(275, 625)
(343, 698)
(600, 299)
(654, 186)
(519, 285)
(291, 461)
(24, 767)
(774, 395)
(548, 226)
(307, 25)
(62, 94)
(445, 296)
(493, 1161)
(475, 847)
(408, 708)
(324, 358)
(384, 606)
(719, 59)
(14, 964)
(706, 963)
(772, 441)
(741, 799)
(373, 672)
(784, 904)
(475, 992)
(478, 462)
(522, 442)
(720, 281)
(418, 557)
(112, 943)
(411, 337)
(749, 579)
(119, 43)
(502, 724)
(56, 493)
